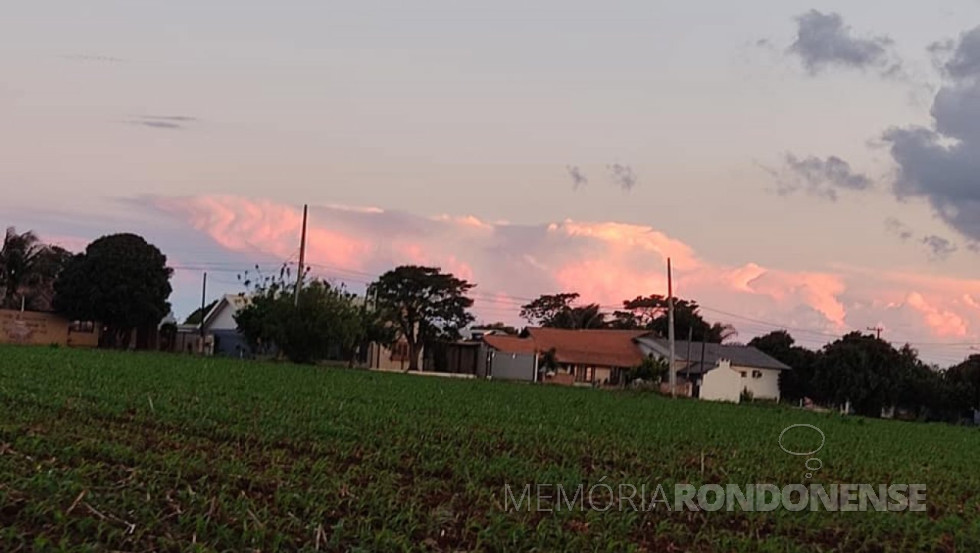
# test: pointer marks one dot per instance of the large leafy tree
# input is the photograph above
(860, 369)
(651, 313)
(28, 269)
(962, 385)
(548, 308)
(121, 281)
(326, 322)
(797, 383)
(422, 304)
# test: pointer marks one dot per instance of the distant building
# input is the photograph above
(720, 371)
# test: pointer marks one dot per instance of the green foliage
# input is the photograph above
(327, 322)
(797, 383)
(121, 281)
(28, 270)
(153, 452)
(641, 313)
(422, 304)
(649, 370)
(860, 369)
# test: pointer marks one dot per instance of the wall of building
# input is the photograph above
(224, 319)
(763, 384)
(722, 383)
(34, 328)
(511, 366)
(394, 358)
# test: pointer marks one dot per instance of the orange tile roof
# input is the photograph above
(509, 344)
(607, 348)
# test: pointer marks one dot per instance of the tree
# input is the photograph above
(651, 313)
(649, 370)
(963, 386)
(860, 369)
(558, 311)
(797, 383)
(28, 269)
(121, 281)
(547, 308)
(423, 304)
(326, 322)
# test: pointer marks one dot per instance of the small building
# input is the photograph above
(218, 332)
(509, 358)
(42, 328)
(720, 371)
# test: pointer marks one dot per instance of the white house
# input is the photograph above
(720, 372)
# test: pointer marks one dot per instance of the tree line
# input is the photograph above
(120, 280)
(123, 282)
(870, 375)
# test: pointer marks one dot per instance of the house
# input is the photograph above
(394, 357)
(720, 371)
(590, 356)
(220, 329)
(583, 357)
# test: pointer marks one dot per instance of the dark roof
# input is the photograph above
(741, 356)
(605, 348)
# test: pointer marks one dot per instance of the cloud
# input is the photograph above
(898, 228)
(578, 177)
(622, 175)
(823, 40)
(605, 261)
(163, 121)
(941, 163)
(939, 247)
(819, 177)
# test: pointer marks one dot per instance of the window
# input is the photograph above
(86, 327)
(742, 373)
(756, 374)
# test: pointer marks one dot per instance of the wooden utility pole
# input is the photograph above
(670, 330)
(302, 258)
(877, 330)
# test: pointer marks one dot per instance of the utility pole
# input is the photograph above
(670, 330)
(877, 330)
(302, 258)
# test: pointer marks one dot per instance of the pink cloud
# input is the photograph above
(606, 262)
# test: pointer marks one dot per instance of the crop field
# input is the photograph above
(104, 451)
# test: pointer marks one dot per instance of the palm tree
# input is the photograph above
(28, 269)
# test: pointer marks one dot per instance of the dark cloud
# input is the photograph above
(158, 124)
(941, 163)
(578, 177)
(163, 121)
(823, 40)
(181, 118)
(898, 228)
(820, 177)
(622, 175)
(939, 247)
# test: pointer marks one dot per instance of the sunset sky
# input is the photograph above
(811, 166)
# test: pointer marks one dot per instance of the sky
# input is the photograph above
(808, 166)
